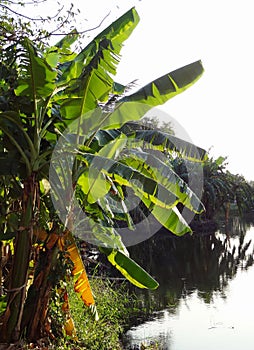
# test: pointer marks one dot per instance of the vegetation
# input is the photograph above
(44, 173)
(223, 190)
(16, 21)
(153, 123)
(116, 307)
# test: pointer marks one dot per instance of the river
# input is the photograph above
(206, 295)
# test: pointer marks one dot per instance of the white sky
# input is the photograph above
(218, 110)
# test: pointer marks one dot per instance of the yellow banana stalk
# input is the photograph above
(82, 285)
(66, 242)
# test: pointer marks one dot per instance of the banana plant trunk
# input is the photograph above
(11, 329)
(35, 319)
(1, 268)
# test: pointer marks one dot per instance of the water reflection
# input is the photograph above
(194, 273)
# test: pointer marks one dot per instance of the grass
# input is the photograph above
(116, 308)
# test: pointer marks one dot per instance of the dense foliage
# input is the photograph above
(222, 190)
(45, 89)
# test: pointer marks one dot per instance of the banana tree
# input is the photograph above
(58, 88)
(222, 188)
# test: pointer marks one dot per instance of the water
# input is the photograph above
(205, 299)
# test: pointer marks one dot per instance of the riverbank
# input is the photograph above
(116, 308)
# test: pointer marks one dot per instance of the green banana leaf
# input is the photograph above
(163, 211)
(130, 269)
(151, 139)
(143, 186)
(164, 175)
(106, 236)
(16, 140)
(90, 73)
(135, 106)
(171, 219)
(93, 182)
(158, 198)
(103, 137)
(162, 89)
(37, 78)
(118, 208)
(117, 32)
(113, 149)
(60, 55)
(93, 87)
(94, 84)
(67, 40)
(92, 229)
(142, 162)
(161, 141)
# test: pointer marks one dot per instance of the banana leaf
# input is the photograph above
(162, 89)
(171, 219)
(93, 181)
(135, 106)
(117, 32)
(165, 175)
(130, 269)
(151, 183)
(158, 140)
(103, 137)
(99, 233)
(67, 40)
(37, 78)
(143, 186)
(150, 139)
(90, 73)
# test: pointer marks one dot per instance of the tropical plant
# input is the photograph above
(44, 91)
(222, 189)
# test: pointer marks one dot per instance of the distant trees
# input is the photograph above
(222, 190)
(154, 123)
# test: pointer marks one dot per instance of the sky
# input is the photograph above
(217, 112)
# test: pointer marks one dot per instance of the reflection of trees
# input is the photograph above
(200, 262)
(236, 225)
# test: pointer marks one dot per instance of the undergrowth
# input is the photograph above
(117, 308)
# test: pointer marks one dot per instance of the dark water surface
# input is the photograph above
(206, 294)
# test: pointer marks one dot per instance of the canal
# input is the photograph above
(205, 298)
